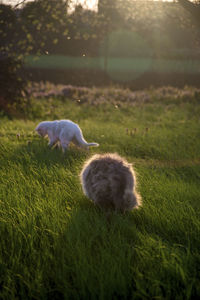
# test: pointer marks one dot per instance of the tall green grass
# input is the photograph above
(55, 244)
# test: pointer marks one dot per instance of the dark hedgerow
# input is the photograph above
(12, 86)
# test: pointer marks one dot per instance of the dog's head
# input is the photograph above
(41, 129)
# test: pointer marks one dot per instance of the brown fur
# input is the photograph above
(109, 180)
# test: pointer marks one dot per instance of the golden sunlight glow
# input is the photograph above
(90, 4)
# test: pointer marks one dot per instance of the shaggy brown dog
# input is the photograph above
(109, 180)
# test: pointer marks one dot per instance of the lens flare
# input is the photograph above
(125, 55)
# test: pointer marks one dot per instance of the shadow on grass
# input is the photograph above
(94, 254)
(38, 152)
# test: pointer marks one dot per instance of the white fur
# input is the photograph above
(64, 132)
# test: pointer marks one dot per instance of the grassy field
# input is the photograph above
(55, 244)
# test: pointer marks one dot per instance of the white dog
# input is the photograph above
(64, 132)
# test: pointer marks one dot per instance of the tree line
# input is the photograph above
(118, 28)
(47, 26)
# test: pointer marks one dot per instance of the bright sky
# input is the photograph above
(91, 4)
(88, 3)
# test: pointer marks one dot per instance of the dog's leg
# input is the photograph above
(52, 142)
(64, 145)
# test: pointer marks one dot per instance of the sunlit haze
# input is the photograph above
(90, 4)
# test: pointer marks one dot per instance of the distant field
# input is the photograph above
(55, 244)
(115, 64)
(136, 72)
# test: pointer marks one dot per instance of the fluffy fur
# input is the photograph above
(64, 132)
(110, 181)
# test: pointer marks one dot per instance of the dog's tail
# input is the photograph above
(82, 142)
